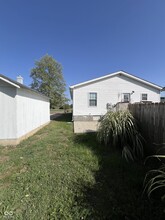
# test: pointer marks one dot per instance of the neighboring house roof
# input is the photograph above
(112, 75)
(19, 85)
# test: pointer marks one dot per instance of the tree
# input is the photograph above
(47, 78)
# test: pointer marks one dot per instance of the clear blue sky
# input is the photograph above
(90, 38)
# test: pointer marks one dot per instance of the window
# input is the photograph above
(144, 97)
(93, 99)
(126, 97)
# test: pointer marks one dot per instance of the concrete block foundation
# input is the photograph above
(85, 124)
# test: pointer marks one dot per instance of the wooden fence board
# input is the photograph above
(151, 118)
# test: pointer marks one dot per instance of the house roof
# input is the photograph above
(19, 85)
(112, 75)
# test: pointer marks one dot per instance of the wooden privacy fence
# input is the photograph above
(151, 119)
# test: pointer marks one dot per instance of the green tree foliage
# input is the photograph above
(47, 78)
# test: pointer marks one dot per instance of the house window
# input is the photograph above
(144, 97)
(126, 97)
(93, 99)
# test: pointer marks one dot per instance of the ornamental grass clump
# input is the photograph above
(119, 129)
(154, 182)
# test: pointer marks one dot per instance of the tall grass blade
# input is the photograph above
(119, 129)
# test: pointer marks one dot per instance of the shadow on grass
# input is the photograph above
(64, 117)
(117, 192)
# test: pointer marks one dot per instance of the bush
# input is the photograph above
(119, 129)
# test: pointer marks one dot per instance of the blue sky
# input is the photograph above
(90, 38)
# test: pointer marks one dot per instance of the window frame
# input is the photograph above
(129, 97)
(142, 98)
(92, 99)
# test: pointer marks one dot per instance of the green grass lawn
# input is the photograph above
(58, 175)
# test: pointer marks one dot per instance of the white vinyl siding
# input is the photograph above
(32, 111)
(21, 111)
(8, 127)
(110, 91)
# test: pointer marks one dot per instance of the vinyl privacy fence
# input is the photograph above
(151, 119)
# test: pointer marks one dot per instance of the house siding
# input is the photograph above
(110, 90)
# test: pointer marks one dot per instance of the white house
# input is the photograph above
(23, 111)
(92, 99)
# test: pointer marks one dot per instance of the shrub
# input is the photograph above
(119, 129)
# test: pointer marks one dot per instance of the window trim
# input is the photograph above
(129, 97)
(89, 99)
(142, 97)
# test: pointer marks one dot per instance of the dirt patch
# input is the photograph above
(7, 149)
(8, 173)
(41, 136)
(4, 186)
(3, 159)
(23, 170)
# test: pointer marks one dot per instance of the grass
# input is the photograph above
(58, 175)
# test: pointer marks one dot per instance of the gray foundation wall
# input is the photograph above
(90, 123)
(84, 124)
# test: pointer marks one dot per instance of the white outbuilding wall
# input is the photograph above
(110, 90)
(22, 112)
(7, 111)
(32, 111)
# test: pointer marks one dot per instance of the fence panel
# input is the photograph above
(151, 118)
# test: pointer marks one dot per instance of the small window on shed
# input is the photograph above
(144, 97)
(92, 99)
